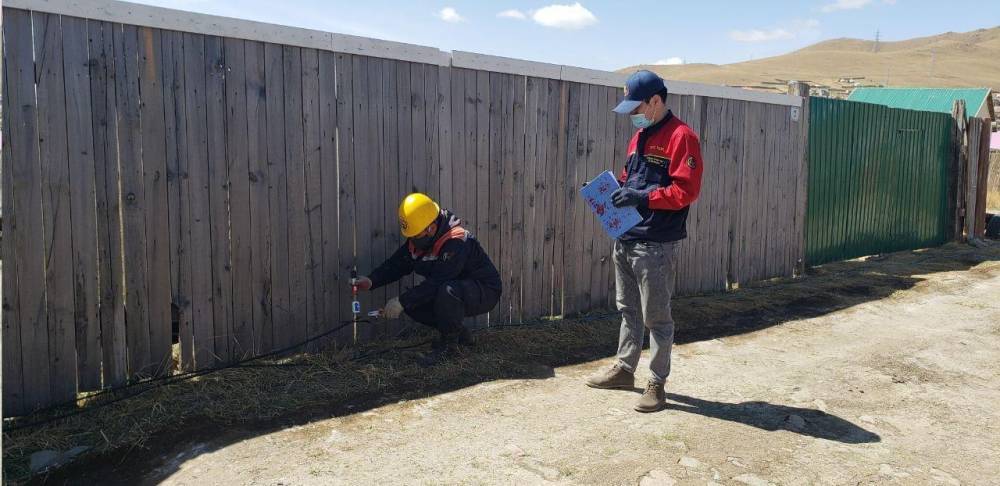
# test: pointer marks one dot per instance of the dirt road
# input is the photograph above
(897, 390)
(878, 372)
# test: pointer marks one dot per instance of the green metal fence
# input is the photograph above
(878, 180)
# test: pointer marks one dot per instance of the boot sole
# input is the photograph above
(611, 387)
(650, 410)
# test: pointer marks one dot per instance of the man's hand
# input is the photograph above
(392, 309)
(363, 283)
(627, 197)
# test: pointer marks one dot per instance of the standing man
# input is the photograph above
(460, 280)
(662, 177)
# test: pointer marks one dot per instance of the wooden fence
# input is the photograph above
(977, 172)
(993, 182)
(230, 184)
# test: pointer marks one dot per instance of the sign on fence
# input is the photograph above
(597, 193)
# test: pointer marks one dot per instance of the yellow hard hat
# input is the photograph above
(416, 213)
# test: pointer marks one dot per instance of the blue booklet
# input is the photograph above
(597, 195)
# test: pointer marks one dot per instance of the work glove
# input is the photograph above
(392, 309)
(363, 283)
(627, 197)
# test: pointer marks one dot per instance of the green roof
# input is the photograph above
(924, 99)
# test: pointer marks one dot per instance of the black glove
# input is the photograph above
(626, 197)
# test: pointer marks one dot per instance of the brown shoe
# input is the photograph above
(613, 378)
(653, 399)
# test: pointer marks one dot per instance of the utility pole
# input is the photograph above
(877, 37)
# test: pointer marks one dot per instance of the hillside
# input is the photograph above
(967, 59)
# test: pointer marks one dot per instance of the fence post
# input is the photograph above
(798, 88)
(960, 141)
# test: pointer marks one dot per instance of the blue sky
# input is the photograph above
(603, 34)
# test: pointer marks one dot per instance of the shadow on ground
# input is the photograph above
(771, 417)
(145, 439)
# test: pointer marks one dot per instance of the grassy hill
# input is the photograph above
(970, 59)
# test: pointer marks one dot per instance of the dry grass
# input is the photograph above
(306, 387)
(946, 60)
(302, 385)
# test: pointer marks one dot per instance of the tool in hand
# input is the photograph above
(355, 304)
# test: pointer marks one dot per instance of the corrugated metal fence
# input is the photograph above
(878, 180)
(151, 175)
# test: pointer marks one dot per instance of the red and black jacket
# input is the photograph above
(664, 160)
(455, 255)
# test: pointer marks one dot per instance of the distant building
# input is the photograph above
(978, 101)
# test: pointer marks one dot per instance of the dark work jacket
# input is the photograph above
(456, 255)
(664, 161)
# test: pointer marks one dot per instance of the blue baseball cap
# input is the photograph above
(639, 87)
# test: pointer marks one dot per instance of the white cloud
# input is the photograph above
(571, 17)
(512, 14)
(449, 14)
(797, 28)
(670, 61)
(846, 5)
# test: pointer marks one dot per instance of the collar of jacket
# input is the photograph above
(647, 132)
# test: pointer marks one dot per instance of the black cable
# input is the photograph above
(171, 379)
(164, 381)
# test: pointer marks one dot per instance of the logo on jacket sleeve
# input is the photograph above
(690, 161)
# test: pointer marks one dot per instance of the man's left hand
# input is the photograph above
(627, 197)
(392, 309)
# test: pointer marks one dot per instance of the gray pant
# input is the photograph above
(644, 278)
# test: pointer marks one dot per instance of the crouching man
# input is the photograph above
(460, 280)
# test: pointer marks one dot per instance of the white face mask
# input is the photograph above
(640, 120)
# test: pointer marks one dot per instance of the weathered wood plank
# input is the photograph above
(431, 122)
(506, 199)
(456, 165)
(404, 176)
(195, 100)
(274, 66)
(133, 204)
(112, 301)
(295, 166)
(479, 180)
(218, 176)
(80, 146)
(238, 168)
(13, 379)
(530, 235)
(56, 225)
(731, 159)
(375, 175)
(26, 181)
(521, 191)
(444, 140)
(178, 192)
(597, 115)
(391, 161)
(362, 180)
(154, 168)
(313, 194)
(561, 181)
(571, 256)
(420, 169)
(333, 286)
(495, 175)
(346, 194)
(260, 208)
(605, 148)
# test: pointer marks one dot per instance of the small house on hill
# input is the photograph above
(978, 101)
